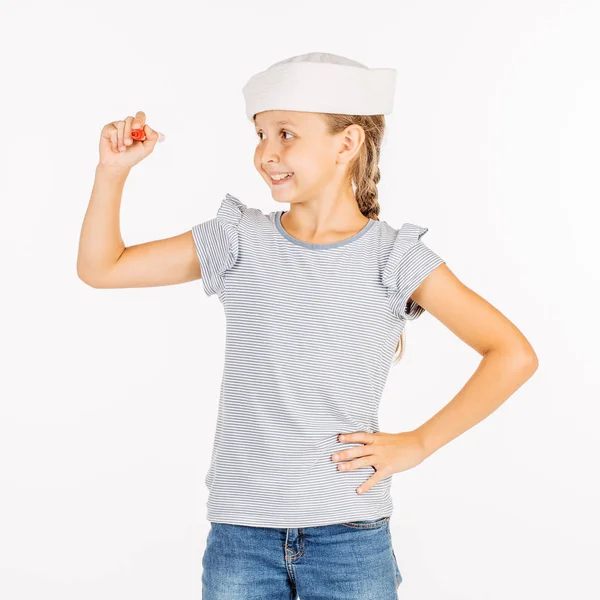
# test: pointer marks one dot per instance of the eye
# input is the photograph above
(258, 133)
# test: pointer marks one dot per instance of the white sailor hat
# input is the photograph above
(321, 82)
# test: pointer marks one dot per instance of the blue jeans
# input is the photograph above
(345, 561)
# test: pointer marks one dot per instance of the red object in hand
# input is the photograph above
(138, 134)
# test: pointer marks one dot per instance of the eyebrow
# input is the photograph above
(281, 123)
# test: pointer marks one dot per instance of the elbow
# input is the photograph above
(521, 358)
(527, 366)
(85, 277)
(86, 280)
(526, 361)
(529, 363)
(527, 357)
(534, 362)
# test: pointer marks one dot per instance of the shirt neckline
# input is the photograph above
(298, 242)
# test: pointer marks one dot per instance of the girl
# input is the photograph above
(316, 301)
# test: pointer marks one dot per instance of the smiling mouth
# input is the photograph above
(280, 181)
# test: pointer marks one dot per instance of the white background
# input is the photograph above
(109, 397)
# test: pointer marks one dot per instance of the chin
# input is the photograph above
(279, 197)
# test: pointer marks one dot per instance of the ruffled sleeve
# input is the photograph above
(408, 264)
(217, 243)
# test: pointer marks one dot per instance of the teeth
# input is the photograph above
(282, 176)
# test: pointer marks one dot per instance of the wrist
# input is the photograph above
(421, 438)
(113, 170)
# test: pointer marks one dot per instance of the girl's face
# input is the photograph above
(298, 143)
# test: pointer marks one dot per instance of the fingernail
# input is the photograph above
(161, 137)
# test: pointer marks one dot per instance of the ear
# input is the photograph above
(353, 137)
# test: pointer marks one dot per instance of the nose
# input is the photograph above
(269, 151)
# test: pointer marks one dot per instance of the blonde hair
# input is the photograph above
(364, 173)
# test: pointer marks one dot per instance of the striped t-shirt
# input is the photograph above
(311, 330)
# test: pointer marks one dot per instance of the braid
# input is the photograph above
(366, 189)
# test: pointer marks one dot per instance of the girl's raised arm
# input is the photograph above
(103, 261)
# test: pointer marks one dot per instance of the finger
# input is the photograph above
(120, 125)
(127, 131)
(364, 461)
(363, 437)
(160, 137)
(369, 483)
(152, 135)
(114, 139)
(353, 452)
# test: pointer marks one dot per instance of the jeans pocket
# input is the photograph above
(368, 523)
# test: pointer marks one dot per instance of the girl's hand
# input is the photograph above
(388, 453)
(118, 149)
